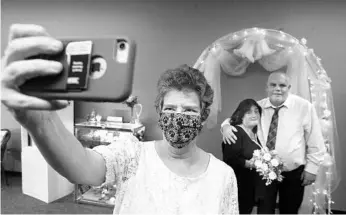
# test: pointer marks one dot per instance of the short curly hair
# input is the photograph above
(185, 78)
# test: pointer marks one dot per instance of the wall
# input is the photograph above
(172, 33)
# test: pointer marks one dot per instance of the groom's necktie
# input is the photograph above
(271, 140)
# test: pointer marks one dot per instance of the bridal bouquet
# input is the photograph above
(267, 164)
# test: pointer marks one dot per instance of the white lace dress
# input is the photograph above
(147, 186)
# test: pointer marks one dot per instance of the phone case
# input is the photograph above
(97, 70)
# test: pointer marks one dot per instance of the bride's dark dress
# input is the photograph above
(250, 184)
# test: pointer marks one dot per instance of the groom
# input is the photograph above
(289, 124)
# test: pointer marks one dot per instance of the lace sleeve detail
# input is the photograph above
(229, 199)
(121, 158)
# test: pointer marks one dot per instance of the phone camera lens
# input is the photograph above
(122, 46)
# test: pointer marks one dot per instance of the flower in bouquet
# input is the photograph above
(274, 162)
(272, 175)
(131, 101)
(268, 164)
(258, 164)
(265, 167)
(267, 156)
(257, 153)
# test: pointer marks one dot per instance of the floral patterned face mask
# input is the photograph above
(180, 129)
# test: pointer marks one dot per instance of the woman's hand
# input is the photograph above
(26, 41)
(228, 135)
(59, 147)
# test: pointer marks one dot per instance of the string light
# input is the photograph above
(264, 32)
(321, 198)
(293, 41)
(283, 36)
(290, 50)
(215, 46)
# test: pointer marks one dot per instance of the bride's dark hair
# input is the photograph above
(243, 107)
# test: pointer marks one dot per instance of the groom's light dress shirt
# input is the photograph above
(299, 139)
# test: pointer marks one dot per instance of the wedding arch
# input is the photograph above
(274, 49)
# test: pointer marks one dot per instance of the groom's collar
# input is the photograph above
(286, 104)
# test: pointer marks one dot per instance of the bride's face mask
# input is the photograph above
(180, 128)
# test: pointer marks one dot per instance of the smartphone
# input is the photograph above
(96, 70)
